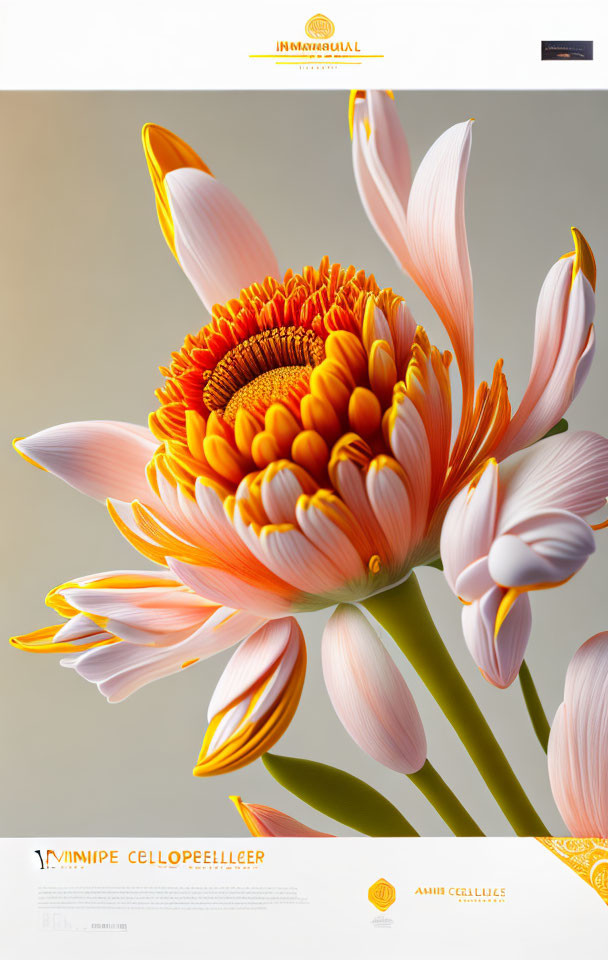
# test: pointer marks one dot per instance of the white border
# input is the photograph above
(198, 44)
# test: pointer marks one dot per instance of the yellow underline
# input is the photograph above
(316, 56)
(296, 63)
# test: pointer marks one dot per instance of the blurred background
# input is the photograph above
(93, 302)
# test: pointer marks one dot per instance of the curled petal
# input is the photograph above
(468, 530)
(563, 348)
(548, 548)
(102, 458)
(255, 699)
(578, 744)
(267, 822)
(369, 694)
(219, 245)
(565, 472)
(497, 652)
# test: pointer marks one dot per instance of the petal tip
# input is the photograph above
(19, 449)
(584, 259)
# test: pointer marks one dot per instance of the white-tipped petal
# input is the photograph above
(219, 245)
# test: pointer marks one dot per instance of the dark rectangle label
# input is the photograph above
(566, 50)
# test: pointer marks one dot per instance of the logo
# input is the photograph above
(382, 894)
(319, 27)
(566, 50)
(317, 48)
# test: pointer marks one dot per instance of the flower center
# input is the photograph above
(273, 365)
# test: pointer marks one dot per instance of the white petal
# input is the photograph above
(219, 245)
(102, 458)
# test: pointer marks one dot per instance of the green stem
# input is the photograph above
(446, 803)
(535, 707)
(403, 612)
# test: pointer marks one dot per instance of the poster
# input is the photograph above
(323, 663)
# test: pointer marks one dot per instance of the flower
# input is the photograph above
(519, 527)
(369, 693)
(255, 699)
(301, 452)
(578, 743)
(268, 822)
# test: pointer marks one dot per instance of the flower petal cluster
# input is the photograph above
(521, 526)
(304, 453)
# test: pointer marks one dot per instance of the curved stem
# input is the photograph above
(535, 707)
(403, 612)
(446, 803)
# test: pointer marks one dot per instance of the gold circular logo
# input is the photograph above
(319, 27)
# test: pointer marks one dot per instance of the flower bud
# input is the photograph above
(369, 694)
(255, 699)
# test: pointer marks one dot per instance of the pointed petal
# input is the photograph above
(369, 694)
(437, 241)
(164, 152)
(102, 458)
(498, 657)
(126, 667)
(218, 243)
(267, 822)
(382, 168)
(563, 349)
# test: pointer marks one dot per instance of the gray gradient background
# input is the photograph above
(94, 302)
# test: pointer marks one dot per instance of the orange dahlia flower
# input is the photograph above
(304, 451)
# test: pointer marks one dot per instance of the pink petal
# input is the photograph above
(547, 548)
(122, 668)
(437, 240)
(369, 694)
(500, 658)
(146, 614)
(563, 350)
(253, 660)
(224, 587)
(219, 245)
(381, 167)
(267, 822)
(468, 528)
(578, 744)
(565, 472)
(102, 458)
